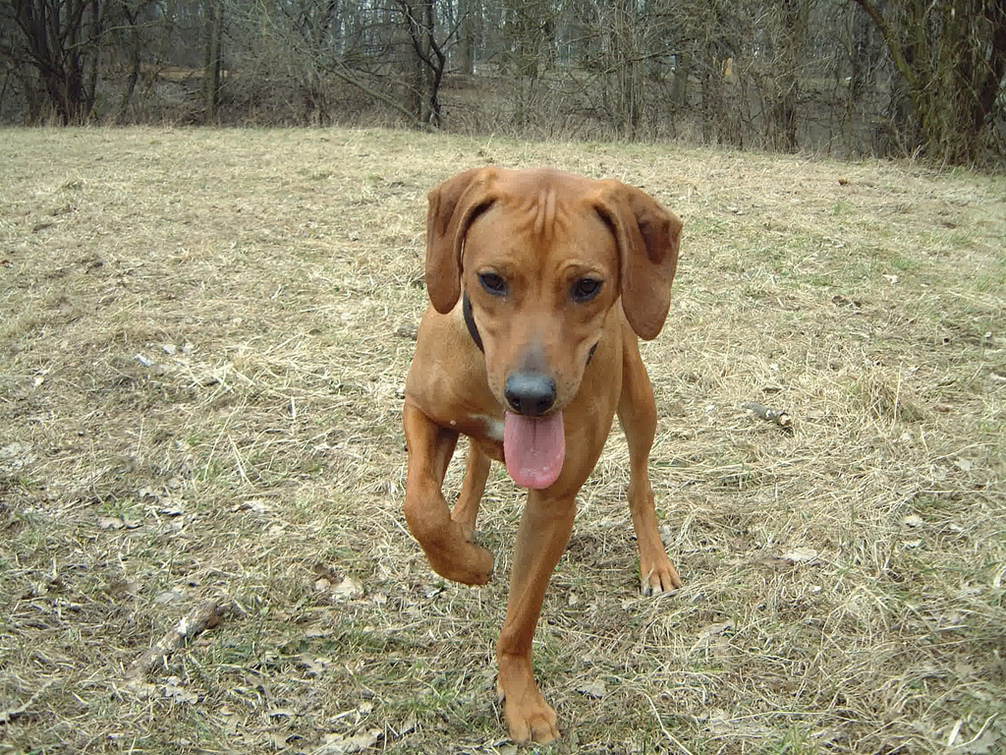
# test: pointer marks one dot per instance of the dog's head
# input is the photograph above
(543, 256)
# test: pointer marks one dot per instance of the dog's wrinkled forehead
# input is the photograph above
(542, 203)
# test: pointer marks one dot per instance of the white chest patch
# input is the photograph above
(493, 427)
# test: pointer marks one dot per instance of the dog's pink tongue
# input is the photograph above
(534, 449)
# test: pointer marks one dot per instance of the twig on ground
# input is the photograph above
(670, 737)
(6, 716)
(770, 415)
(204, 616)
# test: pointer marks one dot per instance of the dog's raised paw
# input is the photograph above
(460, 560)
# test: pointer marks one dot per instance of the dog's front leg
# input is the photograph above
(638, 415)
(541, 538)
(448, 544)
(466, 510)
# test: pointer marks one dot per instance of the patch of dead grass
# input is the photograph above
(204, 340)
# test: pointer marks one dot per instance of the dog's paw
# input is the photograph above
(658, 577)
(531, 720)
(458, 559)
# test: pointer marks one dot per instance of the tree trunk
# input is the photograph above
(783, 81)
(625, 60)
(682, 70)
(93, 52)
(466, 51)
(211, 62)
(952, 59)
(135, 55)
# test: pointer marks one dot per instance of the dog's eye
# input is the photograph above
(586, 289)
(493, 284)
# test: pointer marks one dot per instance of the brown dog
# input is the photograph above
(540, 283)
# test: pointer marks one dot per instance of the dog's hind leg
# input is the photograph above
(637, 414)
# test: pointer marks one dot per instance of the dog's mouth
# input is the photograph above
(534, 449)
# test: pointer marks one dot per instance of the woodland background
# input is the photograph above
(842, 77)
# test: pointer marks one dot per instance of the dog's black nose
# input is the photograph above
(529, 393)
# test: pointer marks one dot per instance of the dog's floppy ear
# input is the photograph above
(648, 238)
(454, 204)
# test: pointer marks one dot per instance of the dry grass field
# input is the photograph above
(203, 341)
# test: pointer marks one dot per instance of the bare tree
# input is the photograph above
(429, 55)
(60, 40)
(528, 31)
(788, 23)
(132, 45)
(627, 57)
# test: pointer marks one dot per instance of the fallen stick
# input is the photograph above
(770, 415)
(6, 716)
(204, 616)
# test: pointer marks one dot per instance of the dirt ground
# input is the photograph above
(203, 341)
